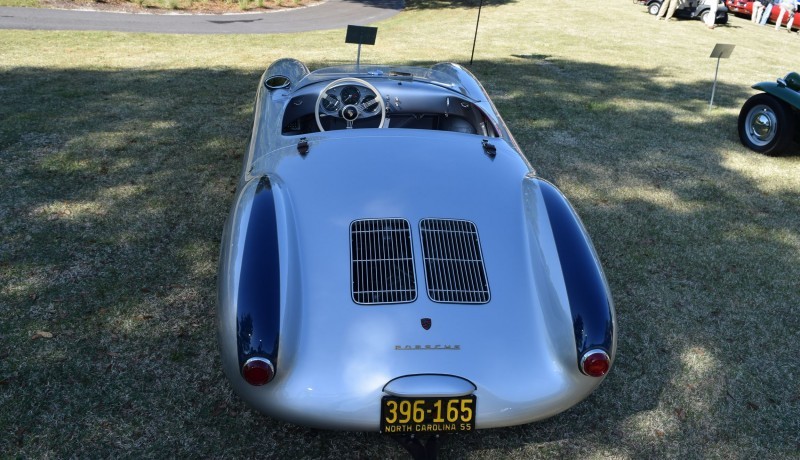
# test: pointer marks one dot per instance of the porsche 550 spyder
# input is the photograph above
(392, 262)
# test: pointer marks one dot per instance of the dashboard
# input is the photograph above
(349, 103)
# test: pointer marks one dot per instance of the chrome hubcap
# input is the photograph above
(761, 125)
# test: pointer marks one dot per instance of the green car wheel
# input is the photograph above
(767, 125)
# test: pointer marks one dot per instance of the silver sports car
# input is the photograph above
(393, 263)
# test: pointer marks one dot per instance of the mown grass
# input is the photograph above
(29, 3)
(215, 6)
(118, 159)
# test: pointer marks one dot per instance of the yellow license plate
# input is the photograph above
(427, 415)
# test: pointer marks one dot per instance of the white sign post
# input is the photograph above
(362, 36)
(720, 51)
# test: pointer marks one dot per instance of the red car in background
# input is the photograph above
(745, 8)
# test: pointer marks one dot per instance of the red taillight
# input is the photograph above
(258, 371)
(595, 363)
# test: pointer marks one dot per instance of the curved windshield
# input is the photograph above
(428, 75)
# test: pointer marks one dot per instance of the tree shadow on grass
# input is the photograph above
(116, 185)
(680, 230)
(430, 4)
(119, 183)
(388, 4)
(446, 4)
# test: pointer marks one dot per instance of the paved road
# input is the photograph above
(332, 14)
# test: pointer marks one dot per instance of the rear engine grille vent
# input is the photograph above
(454, 268)
(382, 261)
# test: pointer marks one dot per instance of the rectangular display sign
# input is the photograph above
(361, 35)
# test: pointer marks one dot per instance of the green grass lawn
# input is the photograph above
(118, 159)
(156, 6)
(29, 3)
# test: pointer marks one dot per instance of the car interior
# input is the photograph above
(349, 103)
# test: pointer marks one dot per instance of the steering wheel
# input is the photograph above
(342, 98)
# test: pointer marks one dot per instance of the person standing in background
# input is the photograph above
(758, 8)
(711, 16)
(667, 5)
(767, 11)
(787, 6)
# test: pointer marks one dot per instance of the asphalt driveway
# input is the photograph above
(331, 14)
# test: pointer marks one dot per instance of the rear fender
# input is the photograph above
(589, 297)
(258, 299)
(249, 290)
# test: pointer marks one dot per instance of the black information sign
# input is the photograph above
(361, 35)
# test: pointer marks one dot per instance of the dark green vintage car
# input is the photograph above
(769, 122)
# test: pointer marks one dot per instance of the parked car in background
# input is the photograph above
(745, 9)
(769, 122)
(689, 9)
(742, 8)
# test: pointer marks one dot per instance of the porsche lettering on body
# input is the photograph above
(427, 347)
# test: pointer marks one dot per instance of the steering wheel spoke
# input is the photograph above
(367, 106)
